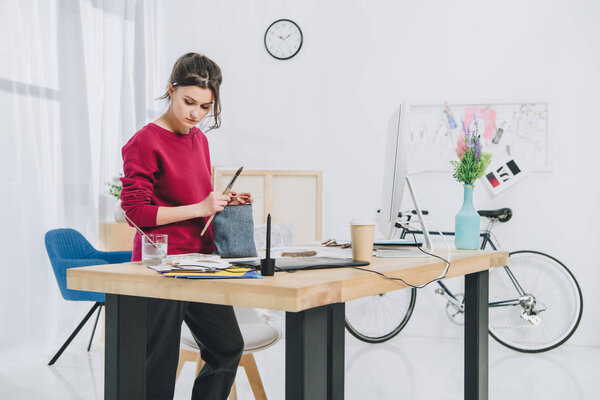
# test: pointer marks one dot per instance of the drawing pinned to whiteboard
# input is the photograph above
(503, 175)
(483, 118)
(530, 124)
(498, 134)
(452, 124)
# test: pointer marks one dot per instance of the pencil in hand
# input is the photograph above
(226, 191)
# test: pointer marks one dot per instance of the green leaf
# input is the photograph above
(468, 170)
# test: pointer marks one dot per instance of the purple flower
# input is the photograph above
(477, 148)
(469, 142)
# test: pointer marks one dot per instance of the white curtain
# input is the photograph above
(77, 78)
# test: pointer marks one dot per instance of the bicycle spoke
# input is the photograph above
(551, 304)
(378, 317)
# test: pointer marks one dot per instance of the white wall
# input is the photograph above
(328, 107)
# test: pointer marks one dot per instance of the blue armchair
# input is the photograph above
(66, 249)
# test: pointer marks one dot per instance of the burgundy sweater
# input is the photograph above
(163, 168)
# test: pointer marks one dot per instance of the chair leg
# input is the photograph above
(249, 364)
(184, 356)
(75, 332)
(233, 392)
(94, 329)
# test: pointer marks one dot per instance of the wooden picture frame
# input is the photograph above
(291, 197)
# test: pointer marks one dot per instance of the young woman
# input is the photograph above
(167, 189)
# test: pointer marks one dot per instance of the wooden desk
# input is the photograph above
(314, 301)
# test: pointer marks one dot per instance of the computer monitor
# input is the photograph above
(395, 179)
(394, 171)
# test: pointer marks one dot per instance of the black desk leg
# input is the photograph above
(476, 336)
(314, 353)
(125, 352)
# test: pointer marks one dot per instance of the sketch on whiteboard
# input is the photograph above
(517, 130)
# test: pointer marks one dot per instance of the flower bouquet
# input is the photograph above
(114, 187)
(471, 166)
(472, 161)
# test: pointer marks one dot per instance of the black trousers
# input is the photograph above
(218, 335)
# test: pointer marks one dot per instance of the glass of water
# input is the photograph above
(153, 254)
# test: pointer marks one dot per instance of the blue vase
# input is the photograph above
(466, 223)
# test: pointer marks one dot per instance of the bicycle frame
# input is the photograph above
(487, 239)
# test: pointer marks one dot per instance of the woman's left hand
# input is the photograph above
(239, 198)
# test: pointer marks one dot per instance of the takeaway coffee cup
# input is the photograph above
(362, 231)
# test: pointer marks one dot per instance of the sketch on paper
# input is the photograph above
(518, 130)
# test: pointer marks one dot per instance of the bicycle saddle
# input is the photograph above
(503, 214)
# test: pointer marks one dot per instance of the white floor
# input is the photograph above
(404, 368)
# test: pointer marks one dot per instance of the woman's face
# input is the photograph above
(189, 105)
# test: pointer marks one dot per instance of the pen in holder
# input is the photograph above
(267, 264)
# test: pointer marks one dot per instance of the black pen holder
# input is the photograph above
(267, 266)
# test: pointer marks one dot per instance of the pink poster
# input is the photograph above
(486, 121)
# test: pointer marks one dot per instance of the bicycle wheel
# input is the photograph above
(544, 314)
(378, 318)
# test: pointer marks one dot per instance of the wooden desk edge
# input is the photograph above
(284, 298)
(223, 291)
(360, 288)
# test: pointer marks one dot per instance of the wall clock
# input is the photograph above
(283, 39)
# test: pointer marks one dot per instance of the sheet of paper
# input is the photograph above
(160, 268)
(197, 261)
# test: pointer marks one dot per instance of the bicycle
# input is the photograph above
(535, 302)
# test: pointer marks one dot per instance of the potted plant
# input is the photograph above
(114, 188)
(470, 166)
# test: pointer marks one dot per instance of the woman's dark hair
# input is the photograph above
(193, 69)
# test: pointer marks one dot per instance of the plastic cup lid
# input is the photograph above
(362, 221)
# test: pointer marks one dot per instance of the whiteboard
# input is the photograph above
(512, 130)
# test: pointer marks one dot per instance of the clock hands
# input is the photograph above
(284, 38)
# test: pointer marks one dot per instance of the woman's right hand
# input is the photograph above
(213, 203)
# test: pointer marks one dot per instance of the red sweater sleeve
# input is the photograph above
(139, 168)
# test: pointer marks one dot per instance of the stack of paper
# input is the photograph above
(195, 265)
(226, 273)
(398, 248)
(198, 259)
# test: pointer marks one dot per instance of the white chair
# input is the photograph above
(257, 334)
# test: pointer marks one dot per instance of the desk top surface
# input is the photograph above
(286, 291)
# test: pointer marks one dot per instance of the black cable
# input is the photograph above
(447, 267)
(402, 280)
